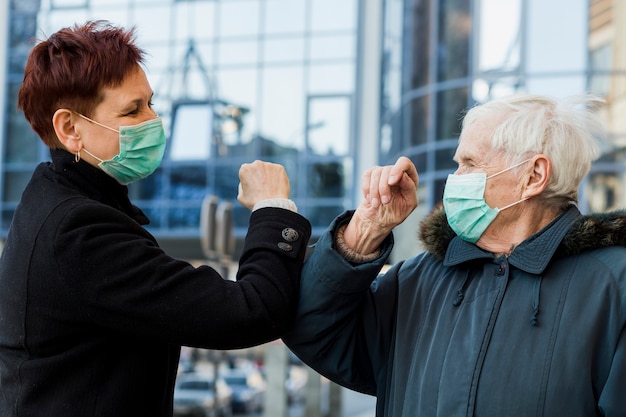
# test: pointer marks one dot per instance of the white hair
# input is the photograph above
(566, 131)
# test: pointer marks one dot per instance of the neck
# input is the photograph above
(513, 226)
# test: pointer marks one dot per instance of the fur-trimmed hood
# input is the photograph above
(587, 232)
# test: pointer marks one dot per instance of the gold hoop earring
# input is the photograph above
(77, 156)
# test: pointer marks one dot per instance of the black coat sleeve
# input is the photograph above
(121, 280)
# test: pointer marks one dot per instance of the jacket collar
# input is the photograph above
(569, 234)
(94, 183)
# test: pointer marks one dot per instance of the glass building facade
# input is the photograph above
(289, 81)
(235, 81)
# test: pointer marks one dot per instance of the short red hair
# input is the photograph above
(70, 69)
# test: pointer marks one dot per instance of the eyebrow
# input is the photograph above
(137, 102)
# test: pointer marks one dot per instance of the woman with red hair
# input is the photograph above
(92, 311)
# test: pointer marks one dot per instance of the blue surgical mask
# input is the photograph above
(141, 150)
(464, 202)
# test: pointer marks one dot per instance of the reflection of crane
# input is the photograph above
(182, 92)
(179, 77)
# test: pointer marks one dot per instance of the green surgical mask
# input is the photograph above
(463, 200)
(141, 151)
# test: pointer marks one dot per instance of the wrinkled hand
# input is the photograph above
(261, 181)
(390, 196)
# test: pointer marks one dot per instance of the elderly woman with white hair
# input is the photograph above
(517, 307)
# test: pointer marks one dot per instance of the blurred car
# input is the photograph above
(248, 388)
(194, 396)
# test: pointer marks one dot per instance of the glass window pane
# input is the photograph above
(321, 215)
(600, 66)
(329, 125)
(153, 25)
(240, 87)
(22, 143)
(239, 18)
(326, 179)
(67, 3)
(333, 15)
(498, 35)
(443, 159)
(560, 85)
(284, 16)
(194, 20)
(454, 39)
(415, 121)
(419, 53)
(282, 109)
(14, 184)
(331, 79)
(97, 4)
(285, 50)
(333, 47)
(7, 216)
(238, 52)
(552, 50)
(484, 89)
(192, 132)
(188, 187)
(58, 19)
(450, 105)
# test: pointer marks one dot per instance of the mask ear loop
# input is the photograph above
(509, 168)
(512, 204)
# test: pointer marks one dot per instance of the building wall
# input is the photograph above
(235, 81)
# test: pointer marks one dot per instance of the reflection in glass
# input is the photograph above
(414, 120)
(192, 132)
(239, 18)
(194, 19)
(22, 143)
(444, 155)
(284, 16)
(450, 107)
(329, 15)
(146, 27)
(333, 47)
(326, 179)
(67, 4)
(601, 63)
(14, 184)
(331, 78)
(420, 53)
(499, 35)
(282, 110)
(7, 216)
(454, 39)
(328, 131)
(238, 52)
(269, 57)
(284, 50)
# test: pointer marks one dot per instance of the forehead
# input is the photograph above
(475, 141)
(134, 86)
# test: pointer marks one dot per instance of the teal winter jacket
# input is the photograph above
(457, 331)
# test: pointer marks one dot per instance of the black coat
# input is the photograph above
(93, 312)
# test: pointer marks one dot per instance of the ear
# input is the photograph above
(63, 122)
(539, 177)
